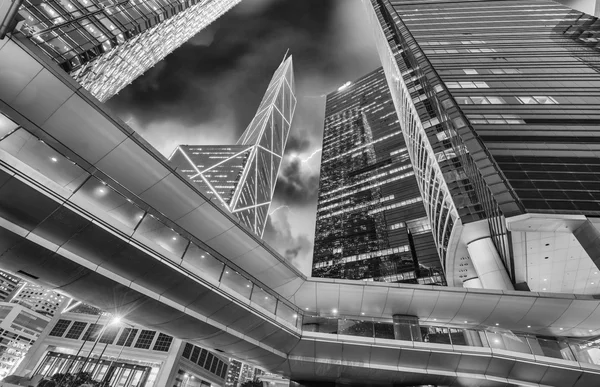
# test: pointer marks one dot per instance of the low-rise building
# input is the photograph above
(125, 355)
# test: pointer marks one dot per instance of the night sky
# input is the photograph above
(208, 90)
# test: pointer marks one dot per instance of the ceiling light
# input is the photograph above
(545, 279)
(560, 329)
(306, 308)
(54, 159)
(497, 324)
(334, 310)
(363, 313)
(295, 315)
(590, 330)
(544, 289)
(202, 256)
(174, 238)
(226, 272)
(435, 319)
(266, 298)
(528, 326)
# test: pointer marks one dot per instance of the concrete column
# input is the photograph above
(406, 328)
(473, 283)
(168, 368)
(488, 264)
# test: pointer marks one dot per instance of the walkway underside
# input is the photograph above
(89, 209)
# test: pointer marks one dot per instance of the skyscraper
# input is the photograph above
(371, 222)
(243, 176)
(498, 104)
(106, 44)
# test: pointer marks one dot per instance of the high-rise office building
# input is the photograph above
(499, 107)
(371, 221)
(106, 44)
(243, 176)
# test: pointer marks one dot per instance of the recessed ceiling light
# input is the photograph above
(306, 308)
(202, 256)
(363, 313)
(295, 315)
(560, 329)
(174, 238)
(544, 289)
(590, 330)
(497, 324)
(54, 159)
(247, 286)
(528, 326)
(545, 279)
(226, 272)
(266, 298)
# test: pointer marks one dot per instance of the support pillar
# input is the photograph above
(406, 328)
(488, 264)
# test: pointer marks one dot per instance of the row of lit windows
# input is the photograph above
(357, 207)
(362, 257)
(345, 187)
(392, 179)
(396, 205)
(467, 85)
(493, 100)
(439, 43)
(371, 203)
(493, 71)
(453, 51)
(495, 119)
(362, 146)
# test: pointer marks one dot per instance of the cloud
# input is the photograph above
(208, 90)
(289, 235)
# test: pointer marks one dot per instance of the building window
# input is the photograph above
(495, 119)
(127, 337)
(109, 335)
(505, 71)
(163, 343)
(195, 354)
(480, 100)
(470, 71)
(467, 85)
(202, 358)
(187, 350)
(537, 100)
(397, 226)
(76, 330)
(92, 332)
(60, 328)
(145, 339)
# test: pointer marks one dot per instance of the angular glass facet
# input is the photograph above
(106, 45)
(243, 176)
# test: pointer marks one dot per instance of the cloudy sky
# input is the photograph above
(207, 91)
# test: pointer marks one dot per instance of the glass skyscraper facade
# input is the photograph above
(243, 176)
(106, 44)
(499, 105)
(371, 222)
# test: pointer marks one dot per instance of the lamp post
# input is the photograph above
(85, 339)
(110, 322)
(106, 378)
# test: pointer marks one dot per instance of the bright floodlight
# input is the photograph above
(115, 320)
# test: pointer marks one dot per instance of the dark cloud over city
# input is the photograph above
(207, 91)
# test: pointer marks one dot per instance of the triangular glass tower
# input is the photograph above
(243, 176)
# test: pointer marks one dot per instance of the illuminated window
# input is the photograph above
(537, 100)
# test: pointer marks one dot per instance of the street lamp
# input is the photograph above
(107, 376)
(94, 346)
